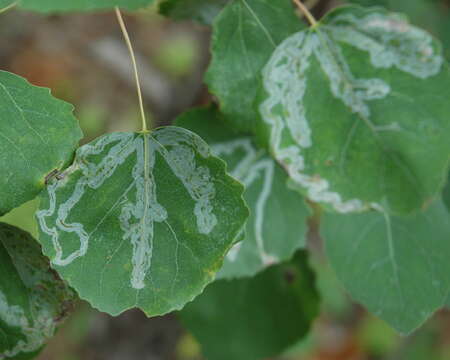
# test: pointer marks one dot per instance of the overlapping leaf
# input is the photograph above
(33, 300)
(356, 109)
(277, 225)
(38, 133)
(395, 266)
(141, 220)
(202, 11)
(254, 318)
(50, 6)
(245, 34)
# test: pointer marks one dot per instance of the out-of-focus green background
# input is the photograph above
(83, 59)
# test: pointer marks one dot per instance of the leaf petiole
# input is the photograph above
(306, 13)
(136, 73)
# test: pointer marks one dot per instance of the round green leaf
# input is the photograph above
(49, 6)
(356, 109)
(38, 134)
(33, 300)
(255, 318)
(277, 225)
(141, 220)
(245, 34)
(395, 266)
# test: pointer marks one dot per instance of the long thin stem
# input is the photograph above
(10, 6)
(135, 69)
(306, 13)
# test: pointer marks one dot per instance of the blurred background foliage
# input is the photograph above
(82, 58)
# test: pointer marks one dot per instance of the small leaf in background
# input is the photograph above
(277, 225)
(356, 109)
(202, 11)
(50, 6)
(141, 220)
(397, 267)
(178, 56)
(33, 300)
(255, 318)
(38, 134)
(245, 34)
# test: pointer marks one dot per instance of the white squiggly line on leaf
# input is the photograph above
(137, 218)
(285, 82)
(34, 334)
(248, 170)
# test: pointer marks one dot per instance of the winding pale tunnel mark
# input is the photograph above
(390, 41)
(248, 170)
(140, 209)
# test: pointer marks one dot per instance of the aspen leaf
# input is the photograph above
(33, 300)
(141, 220)
(356, 109)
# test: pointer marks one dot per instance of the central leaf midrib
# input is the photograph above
(146, 183)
